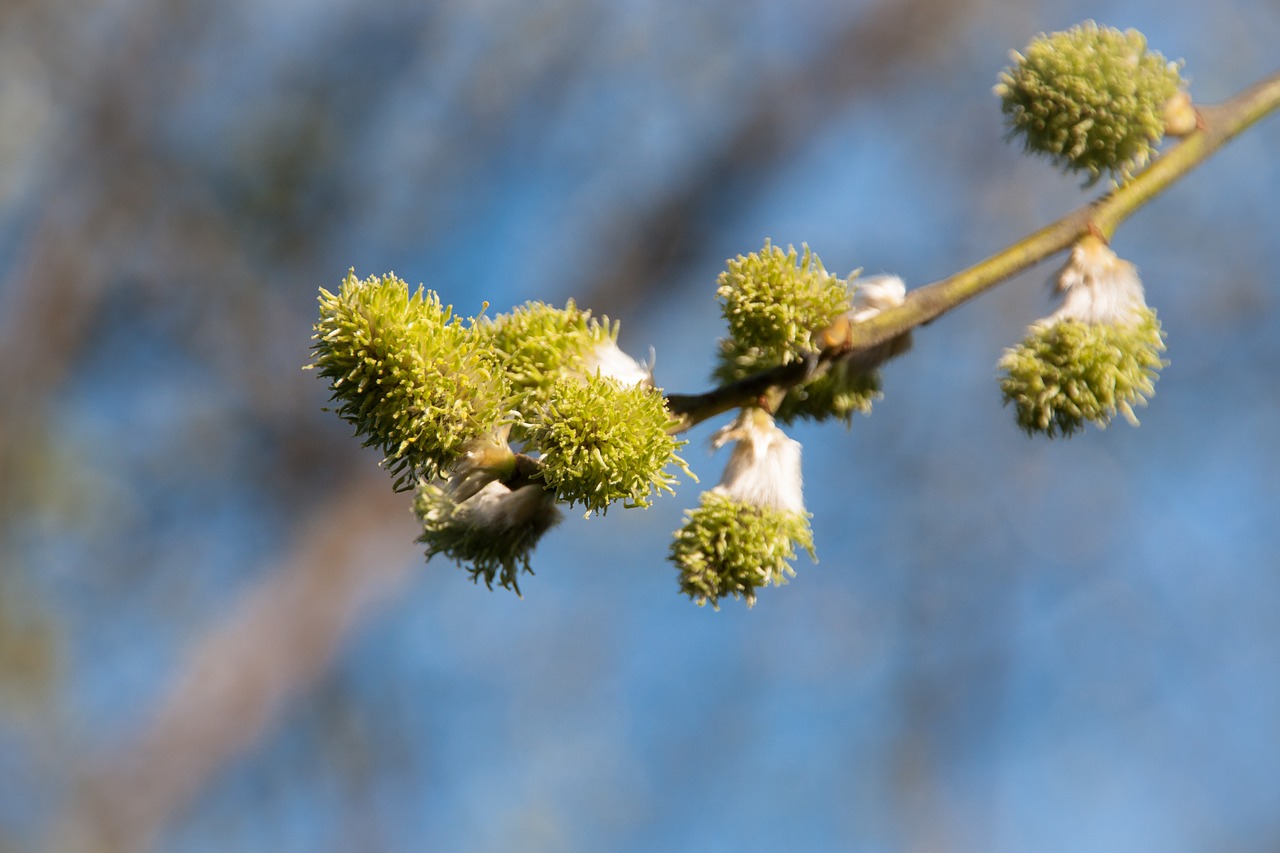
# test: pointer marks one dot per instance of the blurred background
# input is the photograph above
(217, 632)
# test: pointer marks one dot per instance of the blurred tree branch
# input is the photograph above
(668, 234)
(274, 644)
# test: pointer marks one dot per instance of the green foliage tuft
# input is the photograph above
(404, 372)
(1068, 372)
(602, 442)
(1091, 98)
(727, 548)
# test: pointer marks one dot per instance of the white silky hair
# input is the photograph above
(496, 507)
(874, 294)
(607, 359)
(1098, 286)
(483, 460)
(764, 466)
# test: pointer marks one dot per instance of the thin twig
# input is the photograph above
(1218, 125)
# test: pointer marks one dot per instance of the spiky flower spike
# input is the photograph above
(404, 372)
(744, 533)
(775, 304)
(1091, 98)
(537, 344)
(1097, 355)
(602, 441)
(773, 301)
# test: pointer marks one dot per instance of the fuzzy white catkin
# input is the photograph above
(609, 360)
(764, 467)
(1098, 286)
(497, 508)
(875, 293)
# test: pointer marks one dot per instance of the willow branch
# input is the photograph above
(1218, 125)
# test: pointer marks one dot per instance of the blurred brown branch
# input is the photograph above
(350, 552)
(646, 247)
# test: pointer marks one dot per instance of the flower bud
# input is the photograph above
(606, 359)
(1180, 116)
(744, 533)
(1091, 98)
(773, 303)
(405, 372)
(603, 442)
(1096, 355)
(1098, 286)
(483, 460)
(874, 294)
